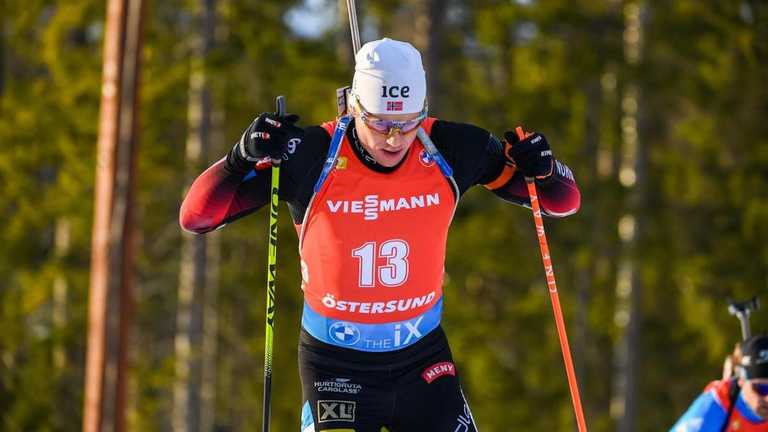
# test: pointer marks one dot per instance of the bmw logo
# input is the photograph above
(344, 333)
(426, 159)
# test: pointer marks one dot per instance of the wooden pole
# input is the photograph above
(110, 298)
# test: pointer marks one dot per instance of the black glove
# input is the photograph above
(531, 154)
(268, 136)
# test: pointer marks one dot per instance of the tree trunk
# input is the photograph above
(61, 243)
(2, 48)
(210, 309)
(586, 271)
(632, 177)
(428, 38)
(187, 401)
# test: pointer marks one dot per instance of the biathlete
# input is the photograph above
(372, 205)
(734, 404)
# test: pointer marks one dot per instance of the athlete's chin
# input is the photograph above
(390, 158)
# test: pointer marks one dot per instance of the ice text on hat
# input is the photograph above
(395, 91)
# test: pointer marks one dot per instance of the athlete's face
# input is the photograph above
(387, 148)
(755, 392)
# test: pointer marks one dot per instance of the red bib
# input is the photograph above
(373, 244)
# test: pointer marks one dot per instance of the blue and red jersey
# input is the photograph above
(709, 411)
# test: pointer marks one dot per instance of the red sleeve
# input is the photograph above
(559, 195)
(721, 390)
(219, 196)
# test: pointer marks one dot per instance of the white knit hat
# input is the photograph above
(389, 78)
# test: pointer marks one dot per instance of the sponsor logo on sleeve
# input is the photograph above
(437, 370)
(564, 171)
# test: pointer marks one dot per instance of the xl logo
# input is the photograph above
(335, 410)
(395, 91)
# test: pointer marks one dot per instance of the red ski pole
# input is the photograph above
(552, 287)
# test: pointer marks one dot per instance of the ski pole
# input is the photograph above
(742, 311)
(271, 282)
(552, 286)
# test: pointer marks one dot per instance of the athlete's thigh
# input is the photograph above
(334, 399)
(429, 399)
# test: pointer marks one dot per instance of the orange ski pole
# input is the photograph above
(552, 287)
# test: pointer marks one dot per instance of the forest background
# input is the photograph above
(659, 107)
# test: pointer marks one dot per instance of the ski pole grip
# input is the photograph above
(280, 110)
